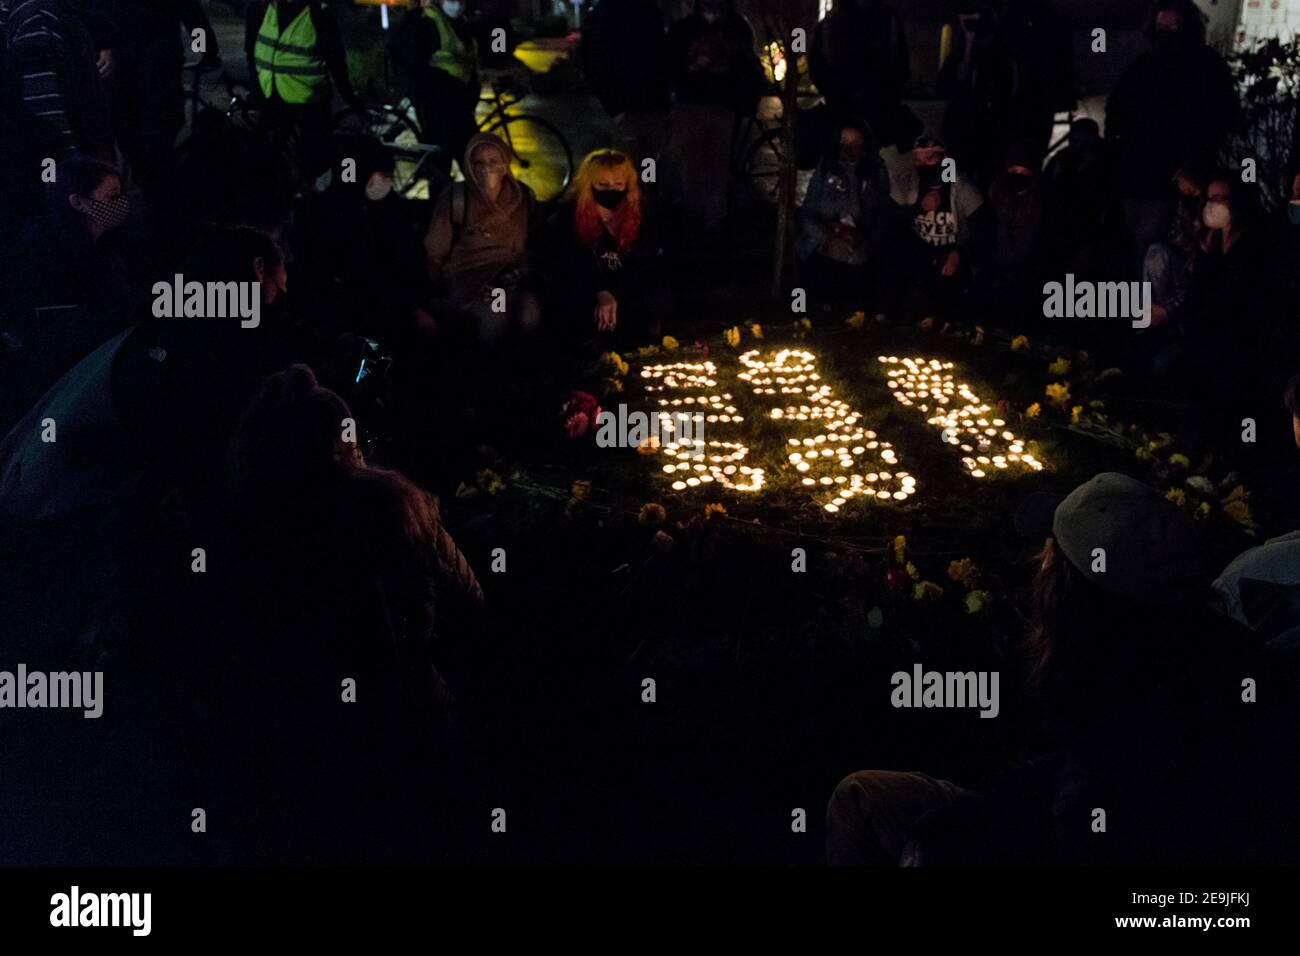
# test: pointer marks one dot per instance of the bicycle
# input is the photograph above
(540, 156)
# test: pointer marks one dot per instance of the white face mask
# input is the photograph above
(378, 187)
(1216, 215)
(452, 8)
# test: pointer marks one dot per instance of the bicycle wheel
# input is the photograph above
(390, 126)
(541, 157)
(762, 167)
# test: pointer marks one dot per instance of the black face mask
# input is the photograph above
(930, 175)
(1169, 42)
(609, 198)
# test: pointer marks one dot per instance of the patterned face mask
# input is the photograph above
(108, 214)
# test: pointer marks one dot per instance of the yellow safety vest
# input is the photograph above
(288, 63)
(454, 56)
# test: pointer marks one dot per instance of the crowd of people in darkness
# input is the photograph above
(299, 456)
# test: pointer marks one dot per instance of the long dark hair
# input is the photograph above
(1193, 19)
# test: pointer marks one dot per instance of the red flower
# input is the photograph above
(580, 413)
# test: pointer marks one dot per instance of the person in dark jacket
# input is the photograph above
(66, 282)
(358, 266)
(715, 77)
(625, 61)
(52, 100)
(435, 49)
(860, 64)
(147, 95)
(602, 253)
(1175, 104)
(1013, 73)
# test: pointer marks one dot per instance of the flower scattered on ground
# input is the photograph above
(856, 320)
(1033, 410)
(1200, 484)
(652, 513)
(1179, 460)
(1058, 393)
(926, 591)
(1061, 366)
(976, 601)
(732, 336)
(1019, 342)
(756, 330)
(581, 490)
(900, 549)
(670, 344)
(1076, 413)
(1177, 496)
(614, 362)
(965, 572)
(714, 509)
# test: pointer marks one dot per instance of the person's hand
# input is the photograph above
(951, 264)
(425, 324)
(606, 311)
(105, 64)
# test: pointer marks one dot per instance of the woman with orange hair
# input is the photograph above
(604, 251)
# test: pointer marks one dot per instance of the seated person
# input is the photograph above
(478, 243)
(1168, 265)
(941, 217)
(603, 253)
(841, 224)
(358, 266)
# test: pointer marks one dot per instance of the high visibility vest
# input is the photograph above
(288, 63)
(454, 56)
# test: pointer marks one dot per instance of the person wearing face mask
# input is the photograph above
(601, 254)
(943, 209)
(67, 285)
(841, 222)
(1176, 103)
(478, 242)
(435, 50)
(358, 266)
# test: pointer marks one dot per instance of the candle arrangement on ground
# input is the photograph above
(835, 455)
(699, 460)
(963, 420)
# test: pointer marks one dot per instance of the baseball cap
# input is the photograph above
(1152, 550)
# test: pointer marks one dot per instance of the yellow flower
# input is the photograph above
(1237, 507)
(615, 363)
(1075, 414)
(714, 508)
(1203, 509)
(652, 513)
(614, 384)
(926, 591)
(756, 330)
(1019, 342)
(1177, 496)
(912, 573)
(732, 336)
(1033, 410)
(646, 351)
(664, 541)
(900, 549)
(978, 337)
(581, 490)
(1143, 453)
(856, 320)
(976, 601)
(964, 572)
(490, 481)
(1060, 367)
(927, 324)
(670, 344)
(1179, 460)
(1058, 393)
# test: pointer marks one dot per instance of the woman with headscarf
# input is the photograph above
(478, 240)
